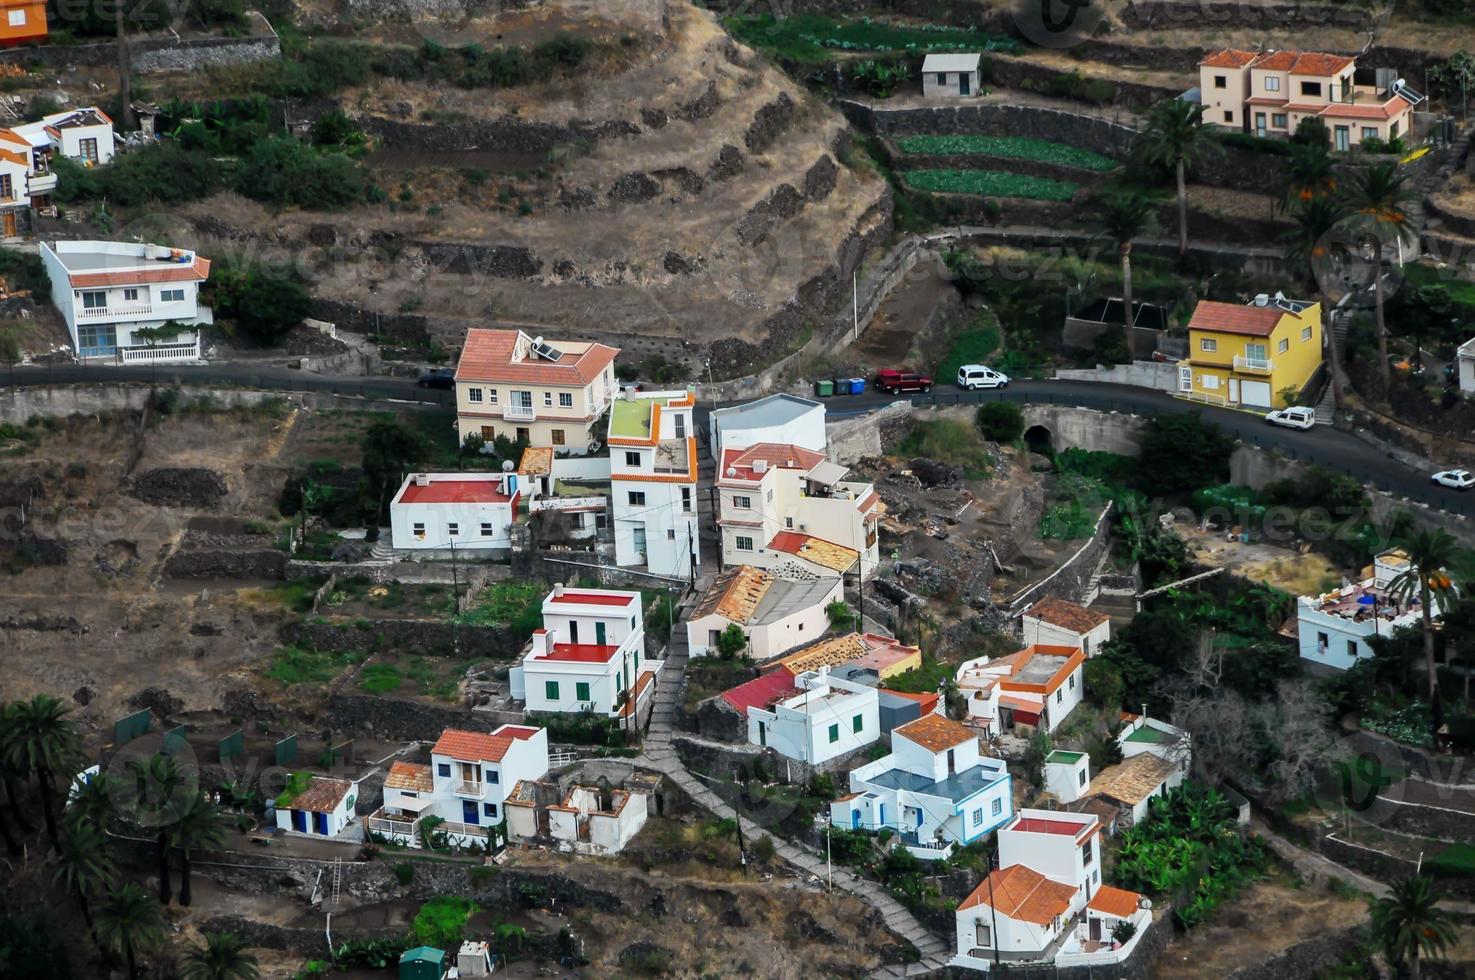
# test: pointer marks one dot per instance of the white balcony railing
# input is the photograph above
(161, 352)
(519, 413)
(1260, 365)
(112, 312)
(468, 789)
(42, 183)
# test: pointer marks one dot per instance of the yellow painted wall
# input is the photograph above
(1292, 367)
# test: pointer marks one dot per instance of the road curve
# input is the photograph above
(1323, 445)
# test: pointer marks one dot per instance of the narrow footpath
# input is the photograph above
(660, 756)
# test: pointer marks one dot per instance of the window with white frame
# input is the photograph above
(686, 500)
(1305, 334)
(547, 399)
(94, 299)
(1208, 345)
(486, 529)
(473, 395)
(492, 396)
(742, 543)
(1272, 83)
(171, 295)
(131, 295)
(1283, 346)
(1208, 382)
(632, 458)
(565, 399)
(453, 529)
(637, 498)
(742, 502)
(16, 18)
(418, 529)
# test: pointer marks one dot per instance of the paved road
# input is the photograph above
(1336, 450)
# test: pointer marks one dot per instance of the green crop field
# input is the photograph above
(1015, 147)
(991, 183)
(815, 37)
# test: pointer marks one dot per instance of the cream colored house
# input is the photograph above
(545, 393)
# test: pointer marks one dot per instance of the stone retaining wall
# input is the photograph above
(398, 718)
(150, 54)
(1055, 125)
(1308, 958)
(422, 636)
(490, 135)
(1147, 15)
(980, 161)
(1459, 222)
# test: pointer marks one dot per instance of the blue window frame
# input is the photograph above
(443, 769)
(493, 776)
(97, 339)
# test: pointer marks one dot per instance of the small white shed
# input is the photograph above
(945, 75)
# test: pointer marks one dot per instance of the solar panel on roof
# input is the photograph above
(546, 351)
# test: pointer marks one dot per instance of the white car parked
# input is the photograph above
(972, 376)
(1293, 418)
(1455, 479)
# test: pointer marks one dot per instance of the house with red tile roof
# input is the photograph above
(1257, 355)
(466, 785)
(1269, 93)
(116, 296)
(789, 509)
(448, 512)
(589, 655)
(317, 806)
(544, 392)
(1056, 622)
(1046, 903)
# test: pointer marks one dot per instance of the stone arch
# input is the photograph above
(1039, 439)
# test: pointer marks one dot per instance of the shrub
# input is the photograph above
(334, 128)
(285, 171)
(1123, 931)
(764, 850)
(264, 306)
(440, 921)
(1000, 421)
(840, 614)
(731, 641)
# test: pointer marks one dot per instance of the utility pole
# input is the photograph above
(691, 548)
(829, 867)
(855, 306)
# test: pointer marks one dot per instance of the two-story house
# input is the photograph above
(16, 160)
(1260, 355)
(1056, 622)
(791, 510)
(816, 718)
(84, 134)
(1269, 94)
(1335, 629)
(776, 615)
(935, 789)
(466, 784)
(128, 301)
(653, 482)
(1038, 687)
(589, 655)
(542, 393)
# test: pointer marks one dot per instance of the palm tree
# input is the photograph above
(1307, 242)
(40, 739)
(83, 866)
(199, 824)
(1376, 198)
(93, 803)
(1123, 216)
(130, 922)
(9, 773)
(156, 781)
(221, 957)
(1430, 553)
(1311, 172)
(1175, 138)
(1409, 924)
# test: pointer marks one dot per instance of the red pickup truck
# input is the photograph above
(893, 381)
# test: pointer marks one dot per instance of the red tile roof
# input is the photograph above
(411, 776)
(1114, 901)
(826, 554)
(1228, 58)
(1316, 63)
(1265, 100)
(1058, 612)
(1388, 110)
(487, 356)
(778, 455)
(196, 271)
(322, 795)
(472, 746)
(1022, 893)
(761, 691)
(1255, 321)
(455, 492)
(517, 731)
(595, 598)
(1275, 60)
(582, 653)
(935, 733)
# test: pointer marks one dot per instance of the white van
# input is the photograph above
(971, 376)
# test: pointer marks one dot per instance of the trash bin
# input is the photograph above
(857, 386)
(824, 389)
(842, 386)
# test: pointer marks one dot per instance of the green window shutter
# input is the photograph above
(834, 733)
(550, 690)
(581, 691)
(857, 723)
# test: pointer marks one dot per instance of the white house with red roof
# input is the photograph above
(1037, 686)
(465, 785)
(128, 302)
(936, 789)
(1056, 622)
(653, 482)
(589, 655)
(791, 510)
(447, 512)
(815, 717)
(542, 392)
(1046, 903)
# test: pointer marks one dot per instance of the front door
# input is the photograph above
(1095, 929)
(963, 83)
(470, 812)
(599, 634)
(1259, 124)
(320, 824)
(1344, 139)
(1233, 391)
(299, 821)
(1185, 378)
(10, 229)
(854, 819)
(762, 734)
(640, 544)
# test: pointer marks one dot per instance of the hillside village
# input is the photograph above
(737, 489)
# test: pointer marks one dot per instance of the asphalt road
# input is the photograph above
(1328, 447)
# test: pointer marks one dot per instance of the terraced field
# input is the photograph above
(1013, 147)
(991, 183)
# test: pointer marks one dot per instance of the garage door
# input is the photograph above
(1255, 393)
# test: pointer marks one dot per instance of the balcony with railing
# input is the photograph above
(400, 828)
(1253, 365)
(473, 789)
(43, 183)
(114, 312)
(927, 850)
(514, 412)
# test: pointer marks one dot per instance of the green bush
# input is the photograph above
(163, 172)
(1000, 421)
(264, 305)
(286, 171)
(950, 442)
(440, 921)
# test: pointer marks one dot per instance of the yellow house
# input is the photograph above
(1251, 355)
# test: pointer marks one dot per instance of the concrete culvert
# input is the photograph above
(1039, 440)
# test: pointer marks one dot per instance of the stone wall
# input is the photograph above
(1086, 428)
(1454, 220)
(1309, 958)
(423, 636)
(1070, 579)
(1145, 15)
(857, 438)
(151, 54)
(242, 565)
(1056, 125)
(493, 135)
(1158, 375)
(398, 718)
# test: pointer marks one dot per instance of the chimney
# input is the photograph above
(422, 479)
(1262, 299)
(540, 643)
(557, 589)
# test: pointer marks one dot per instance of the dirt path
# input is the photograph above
(887, 342)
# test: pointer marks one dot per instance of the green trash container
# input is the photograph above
(824, 389)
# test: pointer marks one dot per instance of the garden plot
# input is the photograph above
(1291, 570)
(361, 598)
(1011, 147)
(819, 37)
(991, 183)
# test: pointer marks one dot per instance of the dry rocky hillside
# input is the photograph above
(687, 190)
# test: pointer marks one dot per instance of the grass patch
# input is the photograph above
(380, 678)
(815, 37)
(518, 605)
(972, 346)
(294, 665)
(1013, 147)
(297, 595)
(991, 183)
(1455, 861)
(955, 443)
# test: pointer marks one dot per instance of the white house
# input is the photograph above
(1037, 687)
(84, 134)
(589, 655)
(817, 719)
(1056, 622)
(776, 418)
(591, 819)
(16, 160)
(447, 512)
(653, 482)
(1333, 629)
(1465, 366)
(935, 789)
(466, 784)
(1133, 783)
(788, 509)
(1067, 775)
(945, 75)
(776, 615)
(108, 292)
(1142, 734)
(319, 807)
